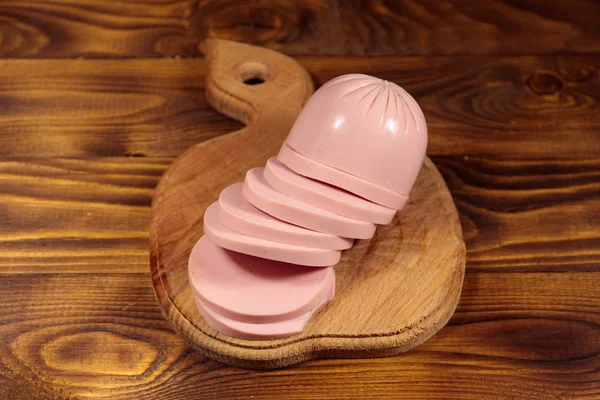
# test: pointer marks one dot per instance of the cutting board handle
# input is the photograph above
(259, 87)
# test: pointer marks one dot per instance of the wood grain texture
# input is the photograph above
(526, 326)
(105, 108)
(76, 216)
(517, 215)
(527, 191)
(513, 336)
(67, 28)
(527, 215)
(523, 106)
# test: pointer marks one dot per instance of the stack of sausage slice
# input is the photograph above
(347, 165)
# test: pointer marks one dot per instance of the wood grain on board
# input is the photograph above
(513, 336)
(522, 106)
(67, 28)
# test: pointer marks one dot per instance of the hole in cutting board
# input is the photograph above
(253, 73)
(254, 81)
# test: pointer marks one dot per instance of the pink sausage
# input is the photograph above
(263, 196)
(236, 213)
(324, 196)
(229, 239)
(253, 289)
(260, 331)
(321, 172)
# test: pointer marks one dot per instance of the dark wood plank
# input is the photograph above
(67, 215)
(532, 106)
(105, 108)
(64, 28)
(527, 215)
(523, 106)
(514, 336)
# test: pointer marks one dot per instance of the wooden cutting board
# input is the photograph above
(393, 292)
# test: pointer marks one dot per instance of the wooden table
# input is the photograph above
(95, 102)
